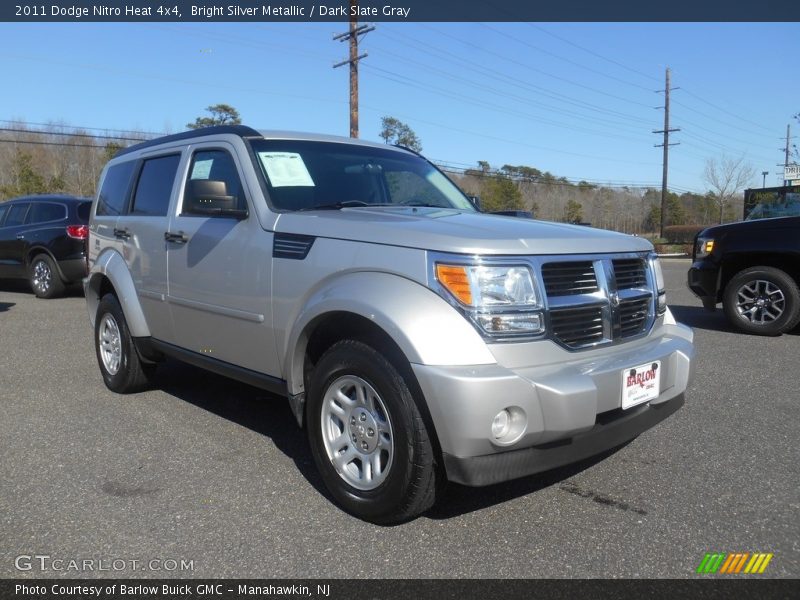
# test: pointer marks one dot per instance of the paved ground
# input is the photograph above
(207, 470)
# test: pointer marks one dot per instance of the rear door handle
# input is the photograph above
(122, 234)
(20, 236)
(178, 238)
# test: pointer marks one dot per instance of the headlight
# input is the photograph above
(705, 246)
(661, 301)
(502, 301)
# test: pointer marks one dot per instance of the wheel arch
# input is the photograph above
(329, 328)
(110, 274)
(35, 251)
(734, 265)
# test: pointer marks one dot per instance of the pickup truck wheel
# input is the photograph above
(762, 300)
(122, 370)
(367, 437)
(44, 279)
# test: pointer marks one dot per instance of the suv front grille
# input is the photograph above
(575, 327)
(569, 278)
(598, 300)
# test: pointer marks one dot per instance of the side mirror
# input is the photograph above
(475, 201)
(210, 198)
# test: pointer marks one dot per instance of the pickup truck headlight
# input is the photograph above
(661, 303)
(705, 246)
(501, 300)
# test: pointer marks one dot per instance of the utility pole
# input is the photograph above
(786, 154)
(666, 131)
(352, 35)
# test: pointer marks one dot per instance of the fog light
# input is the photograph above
(501, 424)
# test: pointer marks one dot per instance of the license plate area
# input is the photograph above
(641, 384)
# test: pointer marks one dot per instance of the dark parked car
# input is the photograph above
(753, 268)
(43, 240)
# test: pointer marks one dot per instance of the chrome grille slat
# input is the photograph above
(569, 278)
(629, 273)
(576, 327)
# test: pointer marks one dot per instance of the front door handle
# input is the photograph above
(20, 236)
(178, 238)
(122, 234)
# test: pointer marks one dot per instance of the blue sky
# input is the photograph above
(575, 99)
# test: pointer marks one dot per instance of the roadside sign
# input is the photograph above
(791, 172)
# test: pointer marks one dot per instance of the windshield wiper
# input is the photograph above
(335, 205)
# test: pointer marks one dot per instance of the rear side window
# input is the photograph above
(114, 193)
(84, 209)
(154, 188)
(16, 215)
(3, 211)
(42, 212)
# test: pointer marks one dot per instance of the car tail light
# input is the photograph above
(78, 232)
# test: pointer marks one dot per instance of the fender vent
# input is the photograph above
(291, 245)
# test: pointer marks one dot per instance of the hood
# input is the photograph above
(752, 226)
(449, 230)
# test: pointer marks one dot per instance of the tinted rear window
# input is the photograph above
(42, 212)
(84, 209)
(155, 186)
(114, 193)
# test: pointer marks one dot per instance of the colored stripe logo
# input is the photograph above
(734, 562)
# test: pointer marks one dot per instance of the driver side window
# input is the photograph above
(214, 171)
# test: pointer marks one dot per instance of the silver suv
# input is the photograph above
(417, 340)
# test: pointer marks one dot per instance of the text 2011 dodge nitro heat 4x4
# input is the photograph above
(417, 340)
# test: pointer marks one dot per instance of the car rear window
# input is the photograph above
(42, 212)
(84, 210)
(3, 211)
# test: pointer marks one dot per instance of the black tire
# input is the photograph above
(778, 294)
(410, 484)
(130, 375)
(44, 278)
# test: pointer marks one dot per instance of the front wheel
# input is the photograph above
(762, 300)
(120, 365)
(367, 436)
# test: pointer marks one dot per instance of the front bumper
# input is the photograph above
(571, 402)
(609, 432)
(703, 280)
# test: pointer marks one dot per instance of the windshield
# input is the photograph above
(306, 175)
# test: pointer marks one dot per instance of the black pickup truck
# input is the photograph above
(753, 269)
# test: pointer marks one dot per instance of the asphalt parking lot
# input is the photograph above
(207, 470)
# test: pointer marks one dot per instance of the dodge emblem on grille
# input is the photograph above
(614, 298)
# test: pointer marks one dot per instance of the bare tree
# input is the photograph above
(727, 177)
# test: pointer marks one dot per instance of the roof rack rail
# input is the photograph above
(240, 130)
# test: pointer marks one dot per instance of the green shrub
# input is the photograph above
(681, 234)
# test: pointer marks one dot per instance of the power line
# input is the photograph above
(592, 52)
(539, 71)
(488, 105)
(60, 133)
(562, 58)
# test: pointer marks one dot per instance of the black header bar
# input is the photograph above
(400, 10)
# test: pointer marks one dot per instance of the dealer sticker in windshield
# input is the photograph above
(640, 384)
(286, 169)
